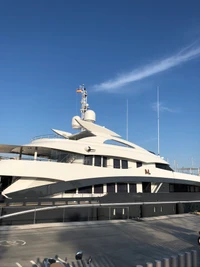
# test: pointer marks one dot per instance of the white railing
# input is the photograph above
(48, 136)
(109, 205)
(79, 195)
(40, 159)
(192, 171)
(49, 208)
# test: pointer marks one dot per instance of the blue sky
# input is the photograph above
(120, 50)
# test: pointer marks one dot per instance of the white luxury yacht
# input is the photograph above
(93, 162)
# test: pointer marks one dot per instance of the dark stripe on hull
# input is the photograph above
(59, 187)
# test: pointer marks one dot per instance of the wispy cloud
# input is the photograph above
(164, 108)
(186, 54)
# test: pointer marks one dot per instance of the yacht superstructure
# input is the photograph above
(94, 162)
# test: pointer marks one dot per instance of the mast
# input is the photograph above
(158, 120)
(127, 119)
(84, 104)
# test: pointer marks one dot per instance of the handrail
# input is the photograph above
(92, 205)
(48, 136)
(48, 208)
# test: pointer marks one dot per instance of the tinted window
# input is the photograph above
(132, 188)
(98, 188)
(97, 161)
(146, 187)
(72, 191)
(171, 188)
(163, 166)
(88, 160)
(85, 190)
(124, 164)
(179, 188)
(111, 188)
(139, 164)
(104, 161)
(116, 163)
(191, 189)
(197, 189)
(121, 187)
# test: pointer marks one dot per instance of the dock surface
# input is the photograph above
(109, 243)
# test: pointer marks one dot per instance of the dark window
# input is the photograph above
(116, 163)
(192, 188)
(139, 164)
(132, 188)
(110, 188)
(179, 188)
(98, 188)
(88, 160)
(163, 166)
(146, 187)
(197, 189)
(124, 164)
(5, 182)
(104, 161)
(72, 191)
(85, 190)
(121, 188)
(171, 187)
(97, 161)
(183, 188)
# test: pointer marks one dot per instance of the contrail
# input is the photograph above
(186, 54)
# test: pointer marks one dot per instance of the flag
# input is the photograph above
(78, 90)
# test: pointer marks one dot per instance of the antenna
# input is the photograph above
(127, 119)
(158, 119)
(84, 104)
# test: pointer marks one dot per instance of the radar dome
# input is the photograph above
(90, 116)
(75, 124)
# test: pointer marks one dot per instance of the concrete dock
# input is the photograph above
(109, 243)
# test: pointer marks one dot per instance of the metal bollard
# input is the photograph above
(166, 262)
(188, 259)
(181, 260)
(149, 264)
(194, 258)
(158, 263)
(174, 261)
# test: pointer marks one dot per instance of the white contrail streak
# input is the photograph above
(186, 54)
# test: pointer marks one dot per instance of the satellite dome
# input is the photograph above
(75, 124)
(90, 116)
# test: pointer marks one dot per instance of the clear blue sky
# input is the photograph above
(48, 48)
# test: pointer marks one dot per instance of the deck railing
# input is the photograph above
(48, 136)
(193, 171)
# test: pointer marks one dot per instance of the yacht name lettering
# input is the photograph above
(147, 171)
